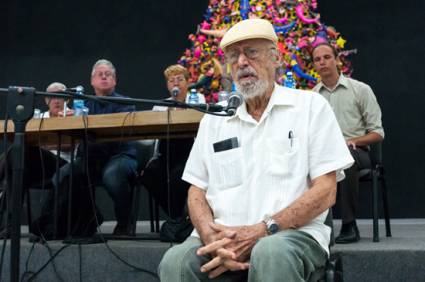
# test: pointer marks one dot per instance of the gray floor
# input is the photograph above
(407, 234)
(398, 258)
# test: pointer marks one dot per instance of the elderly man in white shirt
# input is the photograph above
(57, 108)
(41, 162)
(262, 180)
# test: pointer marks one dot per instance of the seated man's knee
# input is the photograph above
(118, 175)
(111, 180)
(274, 251)
(65, 172)
(180, 263)
(168, 266)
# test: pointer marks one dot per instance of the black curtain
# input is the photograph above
(46, 41)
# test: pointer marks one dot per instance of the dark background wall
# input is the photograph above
(45, 41)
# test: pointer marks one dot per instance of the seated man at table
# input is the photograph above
(57, 108)
(171, 195)
(112, 164)
(56, 105)
(40, 164)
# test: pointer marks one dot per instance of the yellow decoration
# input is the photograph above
(341, 42)
(215, 84)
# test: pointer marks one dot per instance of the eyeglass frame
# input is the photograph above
(230, 59)
(180, 78)
(107, 74)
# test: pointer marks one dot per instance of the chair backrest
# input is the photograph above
(327, 273)
(145, 151)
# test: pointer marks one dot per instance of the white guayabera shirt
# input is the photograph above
(297, 139)
(64, 155)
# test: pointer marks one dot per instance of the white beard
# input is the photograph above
(254, 89)
(251, 89)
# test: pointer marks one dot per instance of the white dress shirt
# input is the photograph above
(297, 139)
(63, 154)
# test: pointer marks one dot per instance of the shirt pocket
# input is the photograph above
(282, 156)
(228, 169)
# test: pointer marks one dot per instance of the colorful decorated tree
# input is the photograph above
(297, 23)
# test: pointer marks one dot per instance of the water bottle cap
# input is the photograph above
(79, 89)
(233, 87)
(37, 113)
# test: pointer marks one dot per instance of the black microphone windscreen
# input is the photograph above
(234, 101)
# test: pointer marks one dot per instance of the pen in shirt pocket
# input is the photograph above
(291, 137)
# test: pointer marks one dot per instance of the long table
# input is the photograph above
(111, 127)
(98, 128)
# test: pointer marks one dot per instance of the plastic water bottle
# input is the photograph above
(37, 113)
(223, 96)
(78, 104)
(290, 81)
(193, 97)
(233, 87)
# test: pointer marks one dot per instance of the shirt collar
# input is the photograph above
(280, 97)
(342, 80)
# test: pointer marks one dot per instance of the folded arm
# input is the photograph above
(370, 138)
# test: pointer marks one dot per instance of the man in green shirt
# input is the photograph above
(359, 117)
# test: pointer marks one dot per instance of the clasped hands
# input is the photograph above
(230, 247)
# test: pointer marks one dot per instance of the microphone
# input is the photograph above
(212, 108)
(234, 101)
(78, 89)
(175, 91)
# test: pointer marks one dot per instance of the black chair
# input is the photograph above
(47, 186)
(376, 175)
(145, 151)
(333, 268)
(153, 207)
(51, 163)
(332, 272)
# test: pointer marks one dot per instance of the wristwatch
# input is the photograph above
(271, 225)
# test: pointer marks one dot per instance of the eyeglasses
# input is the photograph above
(107, 74)
(175, 79)
(251, 53)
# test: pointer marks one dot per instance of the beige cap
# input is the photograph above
(249, 29)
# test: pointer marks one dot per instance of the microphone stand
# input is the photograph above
(205, 108)
(20, 108)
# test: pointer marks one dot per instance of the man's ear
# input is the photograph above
(276, 58)
(338, 63)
